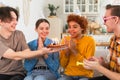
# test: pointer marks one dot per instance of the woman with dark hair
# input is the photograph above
(80, 47)
(44, 67)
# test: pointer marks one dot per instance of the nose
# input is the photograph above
(104, 23)
(45, 31)
(70, 29)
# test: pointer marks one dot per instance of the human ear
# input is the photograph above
(116, 20)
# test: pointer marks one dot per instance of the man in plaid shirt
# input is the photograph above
(110, 70)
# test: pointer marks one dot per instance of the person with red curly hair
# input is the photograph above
(80, 47)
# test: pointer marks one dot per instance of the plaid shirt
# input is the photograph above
(114, 49)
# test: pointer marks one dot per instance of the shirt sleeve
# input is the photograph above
(3, 49)
(90, 50)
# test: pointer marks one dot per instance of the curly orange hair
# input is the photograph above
(81, 20)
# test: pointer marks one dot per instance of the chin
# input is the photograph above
(43, 37)
(109, 31)
(13, 30)
(73, 36)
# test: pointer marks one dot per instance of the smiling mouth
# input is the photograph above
(72, 33)
(13, 27)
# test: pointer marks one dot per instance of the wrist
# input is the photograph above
(67, 52)
(41, 52)
(99, 67)
(75, 51)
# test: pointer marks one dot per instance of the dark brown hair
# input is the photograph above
(5, 14)
(82, 21)
(115, 9)
(39, 21)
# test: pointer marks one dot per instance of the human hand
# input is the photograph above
(66, 42)
(73, 47)
(92, 63)
(40, 43)
(101, 60)
(48, 50)
(72, 44)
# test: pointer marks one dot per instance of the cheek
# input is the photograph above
(39, 33)
(110, 28)
(68, 31)
(47, 33)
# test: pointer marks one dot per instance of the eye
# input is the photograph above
(47, 28)
(69, 27)
(40, 28)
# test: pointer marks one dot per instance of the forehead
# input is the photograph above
(44, 24)
(13, 14)
(108, 12)
(72, 22)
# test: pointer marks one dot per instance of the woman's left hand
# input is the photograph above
(72, 46)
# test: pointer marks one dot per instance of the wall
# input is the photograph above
(35, 11)
(38, 9)
(60, 12)
(63, 16)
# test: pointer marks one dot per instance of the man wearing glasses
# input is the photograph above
(110, 70)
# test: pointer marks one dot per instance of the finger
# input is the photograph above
(101, 58)
(94, 58)
(87, 67)
(86, 64)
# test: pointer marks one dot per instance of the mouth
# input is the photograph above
(44, 35)
(13, 27)
(72, 33)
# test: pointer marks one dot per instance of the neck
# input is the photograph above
(79, 36)
(41, 39)
(5, 34)
(117, 32)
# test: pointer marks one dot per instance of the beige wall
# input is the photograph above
(38, 9)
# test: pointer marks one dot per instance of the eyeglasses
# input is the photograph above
(108, 18)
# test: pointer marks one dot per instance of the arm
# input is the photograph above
(10, 54)
(110, 74)
(95, 65)
(88, 47)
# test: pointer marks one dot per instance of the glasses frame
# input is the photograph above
(108, 18)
